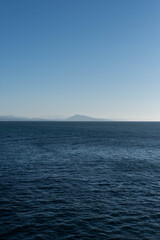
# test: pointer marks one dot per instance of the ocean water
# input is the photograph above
(70, 180)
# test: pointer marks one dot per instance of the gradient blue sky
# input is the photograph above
(94, 57)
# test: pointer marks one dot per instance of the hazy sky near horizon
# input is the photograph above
(93, 57)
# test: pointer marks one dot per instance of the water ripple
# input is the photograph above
(79, 181)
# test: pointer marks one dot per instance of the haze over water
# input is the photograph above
(63, 180)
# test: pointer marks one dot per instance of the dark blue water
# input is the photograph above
(79, 180)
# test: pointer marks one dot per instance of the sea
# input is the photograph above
(79, 180)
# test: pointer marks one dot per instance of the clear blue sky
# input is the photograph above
(93, 57)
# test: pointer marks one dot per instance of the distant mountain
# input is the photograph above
(13, 118)
(74, 118)
(83, 118)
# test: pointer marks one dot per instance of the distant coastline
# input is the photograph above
(74, 118)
